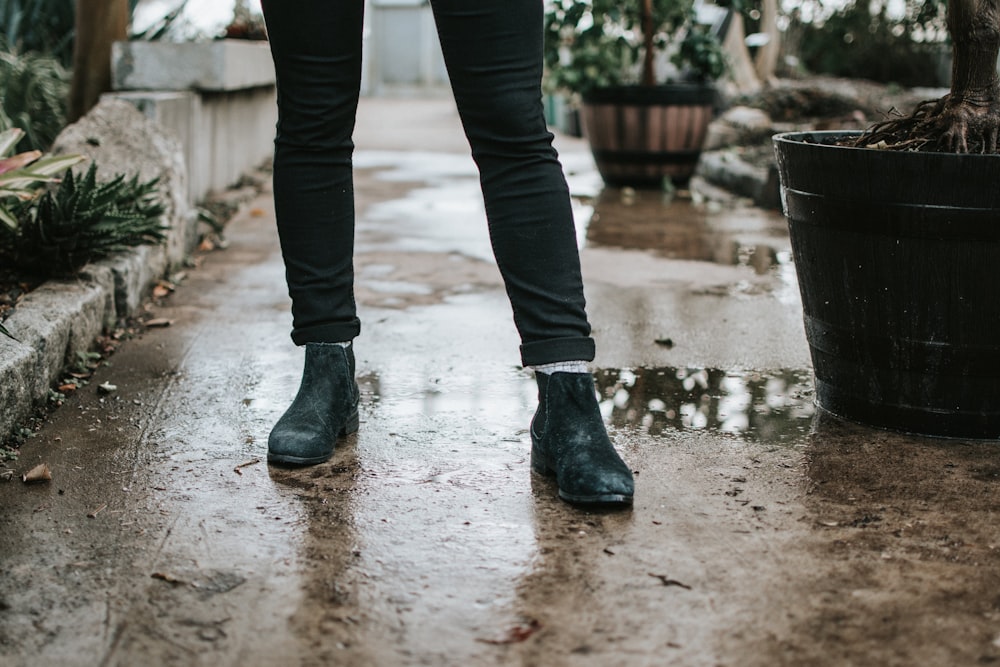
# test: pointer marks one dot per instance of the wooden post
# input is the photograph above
(648, 76)
(98, 24)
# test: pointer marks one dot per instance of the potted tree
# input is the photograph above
(896, 240)
(644, 72)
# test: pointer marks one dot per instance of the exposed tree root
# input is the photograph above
(940, 125)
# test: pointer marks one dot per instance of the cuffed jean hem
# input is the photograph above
(558, 349)
(327, 333)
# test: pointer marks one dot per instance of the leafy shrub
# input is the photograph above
(596, 43)
(35, 88)
(81, 220)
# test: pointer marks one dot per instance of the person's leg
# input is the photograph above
(493, 51)
(316, 45)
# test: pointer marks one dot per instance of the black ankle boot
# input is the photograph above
(568, 440)
(325, 407)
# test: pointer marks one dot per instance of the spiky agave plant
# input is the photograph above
(83, 219)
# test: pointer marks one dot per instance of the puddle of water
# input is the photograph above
(764, 406)
(772, 406)
(683, 229)
(447, 215)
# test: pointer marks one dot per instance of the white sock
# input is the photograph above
(562, 367)
(344, 344)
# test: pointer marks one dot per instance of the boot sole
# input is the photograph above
(352, 425)
(597, 499)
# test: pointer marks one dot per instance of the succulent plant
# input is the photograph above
(84, 219)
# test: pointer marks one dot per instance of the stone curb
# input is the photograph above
(60, 320)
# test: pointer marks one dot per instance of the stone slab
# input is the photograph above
(228, 64)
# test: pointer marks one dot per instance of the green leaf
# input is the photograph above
(56, 163)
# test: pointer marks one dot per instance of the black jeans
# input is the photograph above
(493, 52)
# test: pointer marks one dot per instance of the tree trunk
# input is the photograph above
(98, 24)
(648, 75)
(972, 111)
(967, 119)
(741, 66)
(767, 56)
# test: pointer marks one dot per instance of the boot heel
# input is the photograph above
(538, 464)
(352, 425)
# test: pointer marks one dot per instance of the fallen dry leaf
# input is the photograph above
(257, 213)
(515, 635)
(66, 388)
(206, 245)
(40, 473)
(160, 292)
(158, 322)
(169, 578)
(107, 388)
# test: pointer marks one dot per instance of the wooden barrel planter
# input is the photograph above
(897, 255)
(640, 135)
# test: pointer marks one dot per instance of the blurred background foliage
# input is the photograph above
(888, 42)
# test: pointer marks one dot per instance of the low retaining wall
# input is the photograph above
(61, 319)
(218, 97)
(198, 116)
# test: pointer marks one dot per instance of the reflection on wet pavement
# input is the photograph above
(443, 211)
(680, 228)
(771, 406)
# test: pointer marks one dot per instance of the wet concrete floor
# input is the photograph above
(764, 532)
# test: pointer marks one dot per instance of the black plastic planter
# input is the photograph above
(898, 256)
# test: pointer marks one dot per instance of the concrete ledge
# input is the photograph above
(222, 65)
(223, 134)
